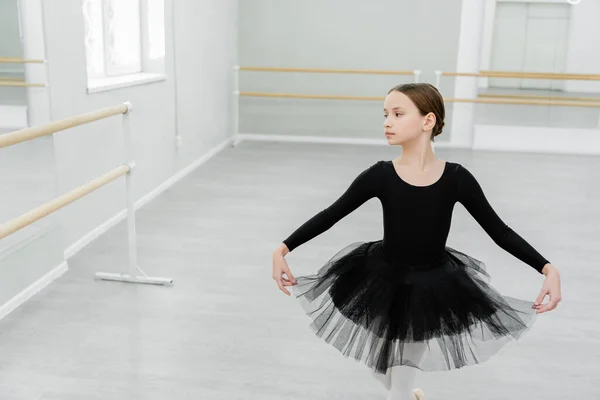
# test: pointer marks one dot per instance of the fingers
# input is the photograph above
(280, 285)
(541, 296)
(282, 282)
(547, 307)
(288, 282)
(551, 305)
(289, 274)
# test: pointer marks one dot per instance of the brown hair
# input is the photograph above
(427, 99)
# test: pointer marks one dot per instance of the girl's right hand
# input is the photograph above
(280, 267)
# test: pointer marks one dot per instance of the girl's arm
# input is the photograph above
(471, 196)
(364, 187)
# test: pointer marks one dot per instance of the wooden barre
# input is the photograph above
(554, 75)
(40, 212)
(525, 102)
(23, 135)
(14, 60)
(525, 75)
(310, 96)
(489, 74)
(450, 100)
(16, 83)
(526, 96)
(329, 71)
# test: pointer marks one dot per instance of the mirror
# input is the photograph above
(13, 98)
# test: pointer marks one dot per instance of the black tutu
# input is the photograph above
(434, 318)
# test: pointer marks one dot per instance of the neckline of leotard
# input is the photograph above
(415, 186)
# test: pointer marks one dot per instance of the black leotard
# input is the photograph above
(416, 219)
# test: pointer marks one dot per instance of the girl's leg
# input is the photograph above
(403, 383)
(386, 379)
(403, 378)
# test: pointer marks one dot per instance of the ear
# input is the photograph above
(429, 122)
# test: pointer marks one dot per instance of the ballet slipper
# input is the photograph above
(418, 394)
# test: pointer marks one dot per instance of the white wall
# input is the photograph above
(10, 41)
(354, 34)
(206, 52)
(583, 55)
(196, 97)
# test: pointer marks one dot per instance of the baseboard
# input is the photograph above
(532, 139)
(33, 289)
(111, 222)
(183, 173)
(321, 139)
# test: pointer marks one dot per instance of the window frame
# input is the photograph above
(145, 70)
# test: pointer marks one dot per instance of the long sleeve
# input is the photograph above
(471, 196)
(364, 187)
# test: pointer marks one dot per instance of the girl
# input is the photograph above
(408, 301)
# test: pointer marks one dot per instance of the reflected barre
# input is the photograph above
(525, 75)
(127, 170)
(17, 83)
(517, 75)
(536, 97)
(15, 60)
(20, 82)
(525, 101)
(40, 212)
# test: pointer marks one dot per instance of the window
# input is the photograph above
(124, 41)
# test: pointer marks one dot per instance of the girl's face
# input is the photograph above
(403, 121)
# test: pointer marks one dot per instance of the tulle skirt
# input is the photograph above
(434, 318)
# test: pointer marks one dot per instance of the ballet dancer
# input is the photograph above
(409, 302)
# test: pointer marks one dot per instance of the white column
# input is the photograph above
(583, 56)
(487, 40)
(468, 60)
(32, 24)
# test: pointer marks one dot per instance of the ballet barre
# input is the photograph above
(527, 99)
(35, 132)
(524, 101)
(485, 99)
(17, 83)
(517, 75)
(46, 209)
(540, 75)
(333, 71)
(127, 170)
(15, 60)
(20, 82)
(536, 97)
(311, 96)
(416, 73)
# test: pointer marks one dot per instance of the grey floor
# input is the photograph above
(224, 330)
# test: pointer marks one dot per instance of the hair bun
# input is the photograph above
(437, 130)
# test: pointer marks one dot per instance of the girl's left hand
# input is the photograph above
(550, 288)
